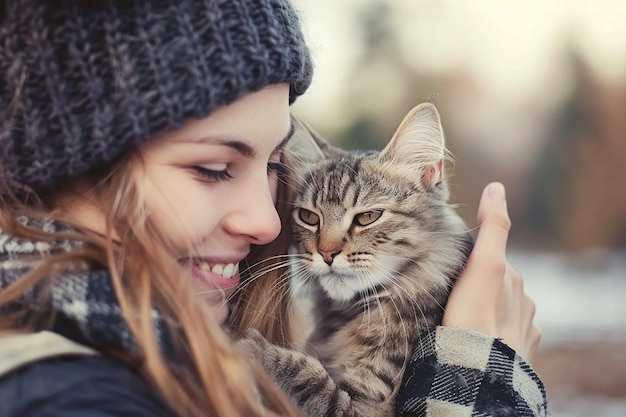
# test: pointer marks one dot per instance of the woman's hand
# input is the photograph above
(489, 295)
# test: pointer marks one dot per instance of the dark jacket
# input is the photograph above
(78, 386)
(46, 375)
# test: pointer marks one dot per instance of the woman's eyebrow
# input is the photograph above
(232, 142)
(239, 145)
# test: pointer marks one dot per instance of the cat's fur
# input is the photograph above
(377, 247)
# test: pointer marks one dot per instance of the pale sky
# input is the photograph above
(512, 49)
(515, 57)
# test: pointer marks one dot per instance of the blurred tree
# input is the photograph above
(384, 87)
(597, 212)
(549, 200)
(578, 200)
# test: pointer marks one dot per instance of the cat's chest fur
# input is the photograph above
(376, 329)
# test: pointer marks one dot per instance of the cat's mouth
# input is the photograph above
(341, 287)
(334, 274)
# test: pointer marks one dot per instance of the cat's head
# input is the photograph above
(360, 219)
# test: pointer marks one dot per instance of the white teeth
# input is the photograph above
(227, 271)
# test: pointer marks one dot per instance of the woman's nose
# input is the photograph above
(256, 218)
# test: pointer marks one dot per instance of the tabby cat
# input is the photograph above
(377, 247)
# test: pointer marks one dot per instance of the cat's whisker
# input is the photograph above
(286, 257)
(301, 278)
(285, 275)
(270, 262)
(281, 281)
(297, 175)
(400, 281)
(284, 261)
(407, 336)
(260, 273)
(295, 179)
(366, 296)
(392, 279)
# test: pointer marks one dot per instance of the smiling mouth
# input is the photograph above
(225, 270)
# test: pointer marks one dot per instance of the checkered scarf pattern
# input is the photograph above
(83, 299)
(459, 373)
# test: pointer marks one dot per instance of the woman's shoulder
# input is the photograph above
(78, 385)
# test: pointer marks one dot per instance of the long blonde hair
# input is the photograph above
(262, 302)
(219, 381)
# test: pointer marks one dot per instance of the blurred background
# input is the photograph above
(532, 94)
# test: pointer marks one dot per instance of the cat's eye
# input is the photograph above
(367, 218)
(308, 217)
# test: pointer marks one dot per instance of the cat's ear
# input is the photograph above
(306, 146)
(419, 144)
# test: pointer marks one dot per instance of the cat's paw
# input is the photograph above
(254, 346)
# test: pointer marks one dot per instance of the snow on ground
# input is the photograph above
(591, 407)
(579, 298)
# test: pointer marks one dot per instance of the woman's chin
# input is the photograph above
(222, 313)
(217, 304)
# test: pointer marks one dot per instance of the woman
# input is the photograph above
(141, 143)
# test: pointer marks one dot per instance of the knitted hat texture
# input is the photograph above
(83, 81)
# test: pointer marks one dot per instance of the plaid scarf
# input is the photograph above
(83, 299)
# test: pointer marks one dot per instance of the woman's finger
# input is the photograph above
(494, 222)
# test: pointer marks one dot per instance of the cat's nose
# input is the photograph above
(328, 255)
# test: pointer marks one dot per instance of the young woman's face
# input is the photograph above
(210, 188)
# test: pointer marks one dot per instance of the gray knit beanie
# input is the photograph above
(83, 81)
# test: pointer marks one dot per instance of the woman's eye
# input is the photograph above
(275, 164)
(212, 175)
(276, 168)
